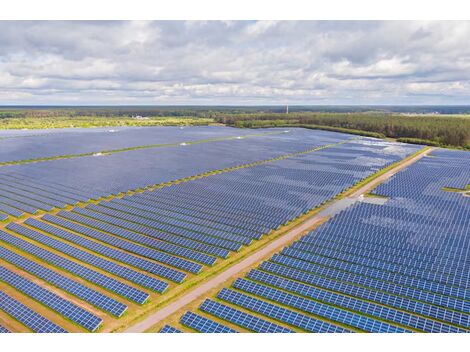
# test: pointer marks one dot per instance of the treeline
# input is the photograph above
(447, 130)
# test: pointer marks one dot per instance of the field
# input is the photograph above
(102, 228)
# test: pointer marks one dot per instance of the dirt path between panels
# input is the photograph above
(332, 209)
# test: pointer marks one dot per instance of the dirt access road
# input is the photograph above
(332, 209)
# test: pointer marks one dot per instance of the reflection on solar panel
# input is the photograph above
(94, 297)
(51, 300)
(26, 316)
(202, 324)
(169, 330)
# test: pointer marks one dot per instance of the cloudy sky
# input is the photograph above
(237, 62)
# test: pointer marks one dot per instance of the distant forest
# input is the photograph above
(438, 130)
(447, 126)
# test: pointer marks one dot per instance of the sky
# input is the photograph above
(234, 63)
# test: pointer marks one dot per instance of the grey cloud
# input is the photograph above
(236, 62)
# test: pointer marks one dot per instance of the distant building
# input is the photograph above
(138, 117)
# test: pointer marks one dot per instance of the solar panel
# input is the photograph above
(279, 313)
(11, 210)
(68, 309)
(126, 245)
(169, 330)
(94, 297)
(144, 240)
(354, 304)
(118, 223)
(107, 251)
(322, 310)
(202, 324)
(369, 294)
(241, 318)
(4, 330)
(107, 282)
(27, 316)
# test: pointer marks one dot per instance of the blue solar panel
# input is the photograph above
(4, 330)
(279, 313)
(365, 307)
(119, 223)
(121, 256)
(169, 330)
(241, 318)
(94, 297)
(418, 294)
(51, 300)
(10, 210)
(138, 238)
(107, 282)
(316, 308)
(188, 225)
(18, 205)
(126, 245)
(27, 316)
(369, 294)
(202, 324)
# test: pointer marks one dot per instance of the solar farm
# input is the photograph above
(102, 228)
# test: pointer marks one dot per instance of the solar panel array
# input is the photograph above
(202, 324)
(397, 267)
(93, 176)
(139, 245)
(169, 330)
(27, 316)
(94, 297)
(83, 271)
(51, 300)
(43, 144)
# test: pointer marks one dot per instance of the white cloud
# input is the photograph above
(234, 62)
